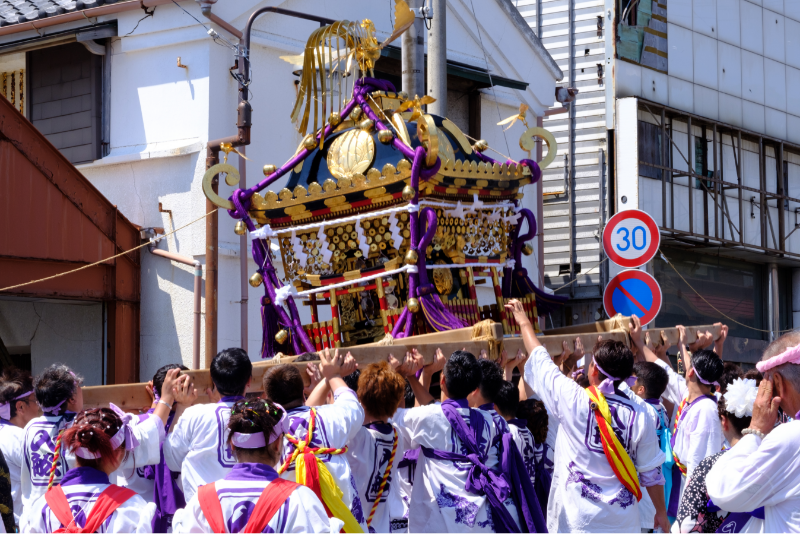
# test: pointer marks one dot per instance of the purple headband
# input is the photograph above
(124, 435)
(607, 386)
(156, 396)
(53, 409)
(256, 440)
(703, 380)
(5, 408)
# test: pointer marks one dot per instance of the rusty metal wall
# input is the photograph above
(53, 220)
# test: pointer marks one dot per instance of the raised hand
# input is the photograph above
(185, 392)
(515, 307)
(330, 364)
(720, 341)
(565, 353)
(765, 408)
(349, 365)
(314, 377)
(635, 331)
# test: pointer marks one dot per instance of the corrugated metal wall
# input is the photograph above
(555, 26)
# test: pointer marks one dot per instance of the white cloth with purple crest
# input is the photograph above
(238, 493)
(82, 486)
(368, 454)
(143, 444)
(699, 432)
(11, 440)
(585, 494)
(198, 445)
(526, 445)
(439, 500)
(647, 510)
(335, 426)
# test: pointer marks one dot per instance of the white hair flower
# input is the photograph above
(740, 396)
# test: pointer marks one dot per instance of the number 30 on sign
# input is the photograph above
(631, 238)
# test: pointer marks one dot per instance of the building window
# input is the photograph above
(650, 150)
(732, 287)
(65, 99)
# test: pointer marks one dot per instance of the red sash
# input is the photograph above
(107, 503)
(268, 504)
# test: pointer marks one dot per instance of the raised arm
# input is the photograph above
(525, 326)
(637, 338)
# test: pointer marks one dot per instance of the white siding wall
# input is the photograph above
(589, 137)
(736, 61)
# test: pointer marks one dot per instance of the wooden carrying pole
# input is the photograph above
(133, 397)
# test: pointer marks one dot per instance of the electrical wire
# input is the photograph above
(147, 243)
(215, 36)
(729, 318)
(486, 60)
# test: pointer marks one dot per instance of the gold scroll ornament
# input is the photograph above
(232, 178)
(527, 142)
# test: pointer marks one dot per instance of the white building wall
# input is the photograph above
(57, 331)
(736, 61)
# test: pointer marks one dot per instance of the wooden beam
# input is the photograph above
(553, 343)
(133, 397)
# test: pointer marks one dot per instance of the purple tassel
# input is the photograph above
(433, 309)
(516, 282)
(270, 325)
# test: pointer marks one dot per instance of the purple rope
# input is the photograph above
(436, 313)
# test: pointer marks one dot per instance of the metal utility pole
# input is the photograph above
(437, 59)
(413, 55)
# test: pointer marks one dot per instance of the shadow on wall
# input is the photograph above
(167, 308)
(57, 331)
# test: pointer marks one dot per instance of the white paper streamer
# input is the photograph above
(264, 232)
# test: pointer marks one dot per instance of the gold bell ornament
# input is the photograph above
(412, 305)
(366, 125)
(269, 169)
(385, 136)
(256, 280)
(355, 114)
(309, 142)
(480, 145)
(411, 257)
(240, 228)
(335, 118)
(408, 193)
(527, 249)
(282, 336)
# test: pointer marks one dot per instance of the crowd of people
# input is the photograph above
(614, 440)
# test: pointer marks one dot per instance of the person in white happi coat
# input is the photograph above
(197, 445)
(456, 483)
(374, 453)
(58, 393)
(651, 381)
(17, 408)
(586, 493)
(334, 426)
(85, 500)
(252, 497)
(698, 513)
(506, 402)
(696, 433)
(763, 468)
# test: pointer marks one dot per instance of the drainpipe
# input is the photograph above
(242, 138)
(198, 289)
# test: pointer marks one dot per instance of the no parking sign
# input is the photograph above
(633, 292)
(631, 238)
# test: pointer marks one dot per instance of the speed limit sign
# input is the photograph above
(631, 238)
